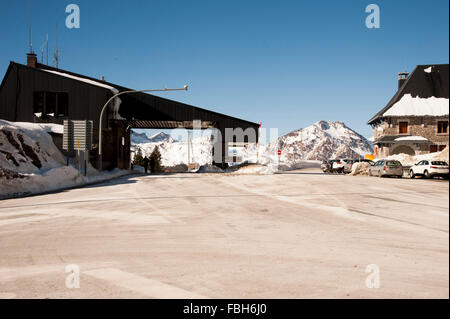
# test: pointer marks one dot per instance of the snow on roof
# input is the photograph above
(416, 106)
(114, 90)
(117, 100)
(411, 138)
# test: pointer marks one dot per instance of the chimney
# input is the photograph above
(103, 78)
(31, 60)
(402, 77)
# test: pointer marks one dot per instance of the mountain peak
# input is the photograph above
(325, 140)
(160, 137)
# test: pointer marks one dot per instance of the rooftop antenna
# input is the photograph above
(30, 43)
(45, 44)
(56, 57)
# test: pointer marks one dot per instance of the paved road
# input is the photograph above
(296, 235)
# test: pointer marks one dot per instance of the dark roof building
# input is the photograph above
(415, 120)
(43, 94)
(419, 84)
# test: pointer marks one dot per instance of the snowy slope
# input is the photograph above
(174, 152)
(322, 140)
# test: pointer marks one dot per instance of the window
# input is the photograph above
(433, 148)
(403, 127)
(63, 104)
(442, 127)
(442, 147)
(38, 103)
(50, 104)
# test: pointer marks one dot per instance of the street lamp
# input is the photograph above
(185, 88)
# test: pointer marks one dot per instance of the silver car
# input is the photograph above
(386, 168)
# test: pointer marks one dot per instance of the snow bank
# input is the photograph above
(442, 156)
(361, 168)
(408, 160)
(28, 148)
(416, 106)
(30, 163)
(256, 169)
(208, 168)
(54, 179)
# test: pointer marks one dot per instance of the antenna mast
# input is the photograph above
(42, 50)
(47, 49)
(30, 43)
(56, 52)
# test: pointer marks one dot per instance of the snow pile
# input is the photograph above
(361, 168)
(30, 163)
(28, 148)
(408, 160)
(256, 169)
(208, 168)
(54, 179)
(442, 156)
(416, 106)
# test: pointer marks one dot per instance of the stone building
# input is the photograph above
(415, 121)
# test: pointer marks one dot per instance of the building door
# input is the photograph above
(433, 148)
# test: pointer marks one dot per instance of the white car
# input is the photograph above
(429, 169)
(338, 165)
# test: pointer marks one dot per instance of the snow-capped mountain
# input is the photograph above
(161, 137)
(322, 140)
(141, 138)
(174, 152)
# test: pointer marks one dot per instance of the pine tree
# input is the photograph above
(156, 157)
(138, 159)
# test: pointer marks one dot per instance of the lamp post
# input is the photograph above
(185, 88)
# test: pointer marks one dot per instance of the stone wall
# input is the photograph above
(417, 126)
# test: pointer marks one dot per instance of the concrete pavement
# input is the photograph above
(297, 235)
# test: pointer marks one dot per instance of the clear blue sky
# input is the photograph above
(285, 63)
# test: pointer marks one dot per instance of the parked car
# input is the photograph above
(325, 166)
(386, 168)
(429, 169)
(338, 165)
(349, 164)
